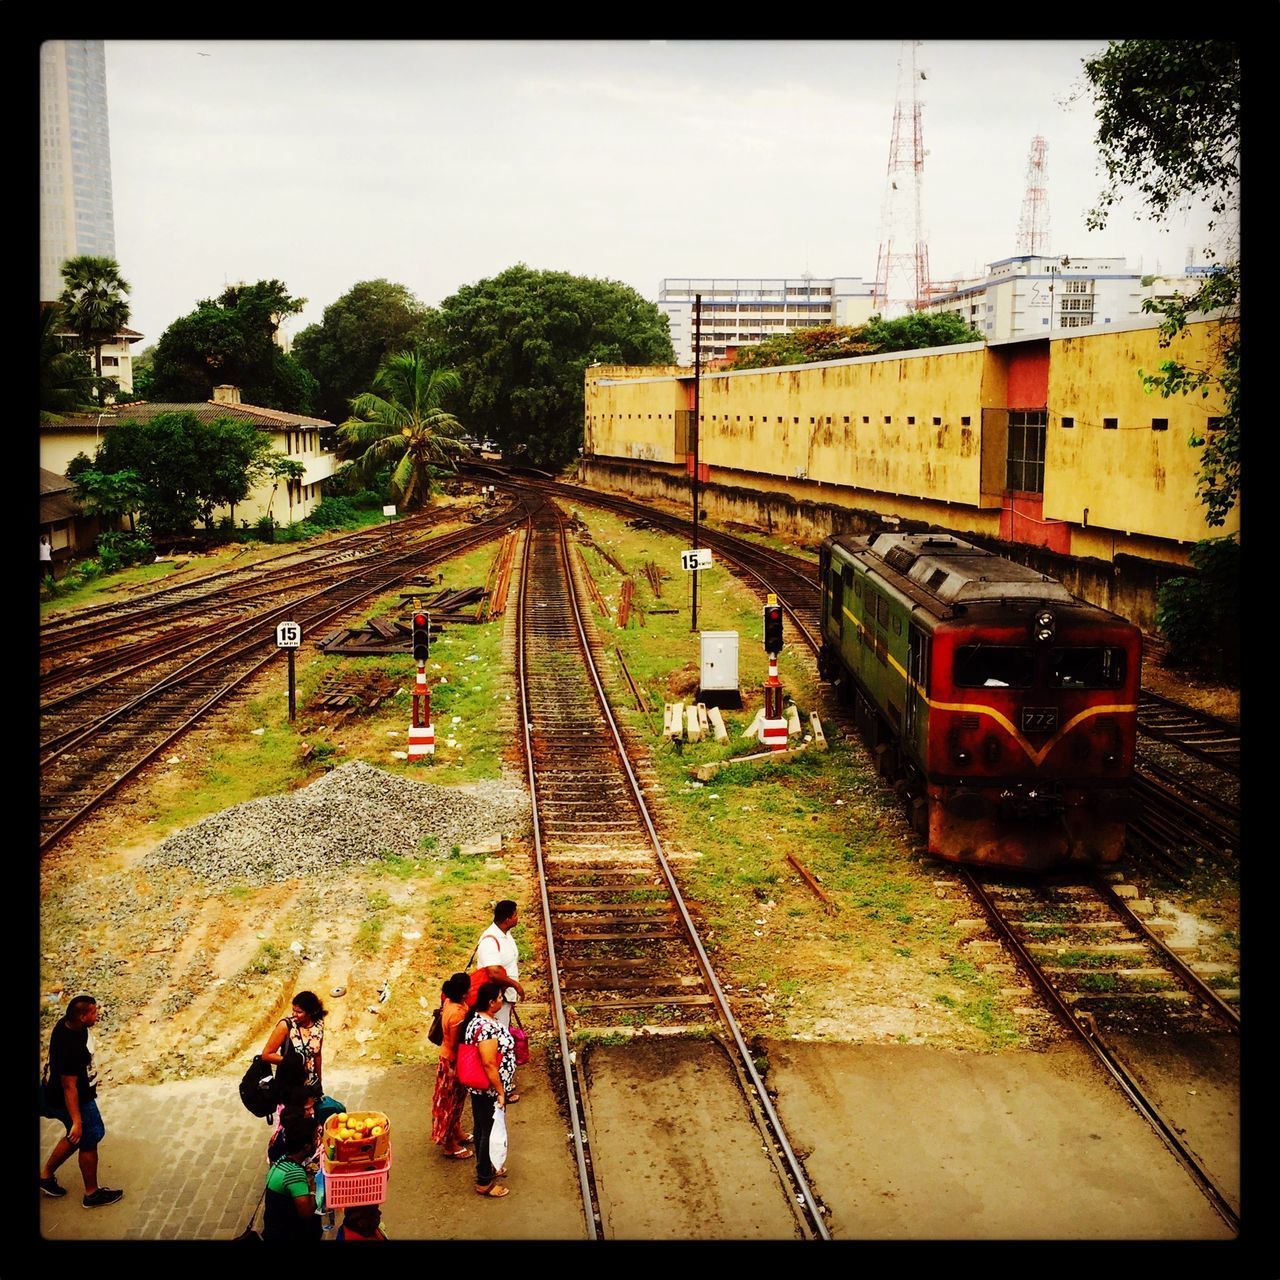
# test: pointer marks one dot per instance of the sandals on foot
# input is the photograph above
(513, 1097)
(462, 1153)
(493, 1190)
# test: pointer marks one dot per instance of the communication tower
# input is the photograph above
(902, 266)
(1033, 226)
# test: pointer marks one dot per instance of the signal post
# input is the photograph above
(422, 734)
(773, 725)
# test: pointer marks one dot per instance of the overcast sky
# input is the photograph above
(436, 164)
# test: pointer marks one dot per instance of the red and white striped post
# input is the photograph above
(773, 726)
(422, 734)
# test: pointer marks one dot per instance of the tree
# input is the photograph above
(186, 468)
(232, 339)
(108, 495)
(1168, 116)
(521, 342)
(277, 467)
(343, 352)
(144, 373)
(67, 384)
(93, 302)
(401, 420)
(1168, 122)
(839, 342)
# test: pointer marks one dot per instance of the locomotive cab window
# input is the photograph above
(990, 666)
(1101, 667)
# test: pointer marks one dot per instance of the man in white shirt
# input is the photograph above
(497, 952)
(498, 948)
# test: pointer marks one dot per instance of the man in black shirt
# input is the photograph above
(71, 1097)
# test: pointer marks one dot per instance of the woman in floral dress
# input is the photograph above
(498, 1057)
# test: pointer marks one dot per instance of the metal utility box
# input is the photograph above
(719, 663)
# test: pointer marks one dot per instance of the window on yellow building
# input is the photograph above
(1025, 459)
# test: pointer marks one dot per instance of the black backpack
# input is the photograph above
(258, 1089)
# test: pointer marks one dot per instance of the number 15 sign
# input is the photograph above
(699, 558)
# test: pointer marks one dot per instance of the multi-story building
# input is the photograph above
(75, 158)
(1032, 297)
(736, 312)
(117, 356)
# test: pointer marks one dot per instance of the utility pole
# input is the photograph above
(697, 374)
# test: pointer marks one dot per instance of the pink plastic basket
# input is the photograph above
(363, 1186)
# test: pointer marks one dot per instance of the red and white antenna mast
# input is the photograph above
(1033, 226)
(902, 266)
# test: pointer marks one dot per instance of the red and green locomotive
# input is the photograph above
(1005, 707)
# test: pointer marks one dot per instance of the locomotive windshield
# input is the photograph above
(994, 666)
(1000, 666)
(1101, 667)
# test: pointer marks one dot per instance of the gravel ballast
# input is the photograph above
(356, 813)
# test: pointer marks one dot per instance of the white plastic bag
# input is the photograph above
(498, 1138)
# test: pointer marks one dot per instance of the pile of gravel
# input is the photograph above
(356, 813)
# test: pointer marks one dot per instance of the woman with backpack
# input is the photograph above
(294, 1048)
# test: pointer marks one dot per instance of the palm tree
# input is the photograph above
(401, 421)
(67, 384)
(93, 302)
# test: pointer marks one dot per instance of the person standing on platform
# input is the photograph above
(46, 557)
(497, 948)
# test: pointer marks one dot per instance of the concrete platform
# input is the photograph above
(901, 1142)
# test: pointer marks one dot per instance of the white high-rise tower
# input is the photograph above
(76, 214)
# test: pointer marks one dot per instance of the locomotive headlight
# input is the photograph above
(1043, 626)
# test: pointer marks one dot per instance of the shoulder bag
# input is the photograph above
(470, 1068)
(521, 1039)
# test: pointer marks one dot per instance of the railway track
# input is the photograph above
(1112, 981)
(92, 744)
(1109, 977)
(92, 643)
(1204, 736)
(1177, 821)
(619, 934)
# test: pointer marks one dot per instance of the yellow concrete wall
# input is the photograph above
(791, 423)
(808, 419)
(636, 414)
(1132, 479)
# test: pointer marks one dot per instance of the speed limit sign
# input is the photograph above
(289, 635)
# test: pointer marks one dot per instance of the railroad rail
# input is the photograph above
(99, 639)
(1111, 973)
(92, 746)
(1206, 737)
(1106, 976)
(619, 934)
